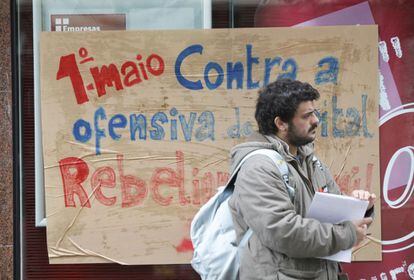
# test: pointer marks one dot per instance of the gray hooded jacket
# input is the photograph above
(284, 244)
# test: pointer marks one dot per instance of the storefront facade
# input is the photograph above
(23, 245)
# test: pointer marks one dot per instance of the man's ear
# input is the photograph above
(280, 125)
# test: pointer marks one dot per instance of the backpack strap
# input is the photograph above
(236, 170)
(277, 160)
(284, 170)
(245, 238)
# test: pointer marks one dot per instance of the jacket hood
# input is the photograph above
(259, 141)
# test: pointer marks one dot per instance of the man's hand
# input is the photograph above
(361, 229)
(364, 195)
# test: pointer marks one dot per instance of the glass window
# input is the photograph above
(396, 85)
(76, 16)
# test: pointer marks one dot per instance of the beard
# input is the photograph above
(297, 140)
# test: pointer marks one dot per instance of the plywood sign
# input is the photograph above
(137, 127)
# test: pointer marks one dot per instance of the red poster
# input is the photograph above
(396, 115)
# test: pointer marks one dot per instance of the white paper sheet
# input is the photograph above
(331, 208)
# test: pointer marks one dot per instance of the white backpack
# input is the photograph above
(212, 232)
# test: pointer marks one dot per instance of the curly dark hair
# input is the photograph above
(281, 98)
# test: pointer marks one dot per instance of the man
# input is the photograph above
(285, 244)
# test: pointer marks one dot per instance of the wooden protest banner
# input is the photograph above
(137, 128)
